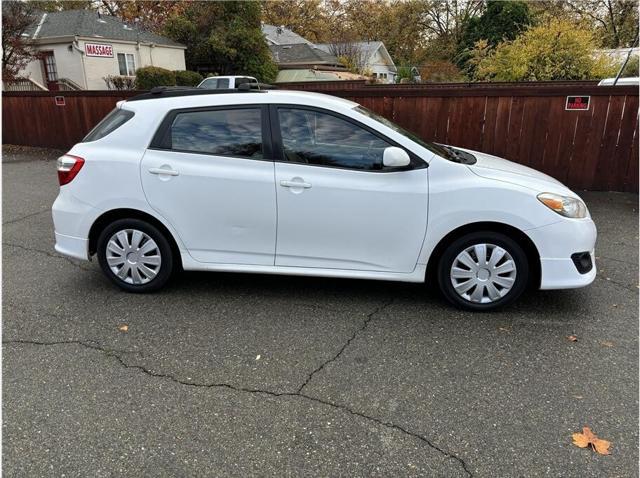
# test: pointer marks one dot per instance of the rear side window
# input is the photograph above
(232, 132)
(109, 124)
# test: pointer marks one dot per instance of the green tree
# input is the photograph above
(501, 21)
(615, 22)
(632, 68)
(223, 37)
(556, 51)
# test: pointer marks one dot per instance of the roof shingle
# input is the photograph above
(87, 23)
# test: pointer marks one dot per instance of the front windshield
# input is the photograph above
(433, 147)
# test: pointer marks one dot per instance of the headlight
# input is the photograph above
(564, 205)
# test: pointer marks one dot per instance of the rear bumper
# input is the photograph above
(72, 219)
(556, 243)
(72, 246)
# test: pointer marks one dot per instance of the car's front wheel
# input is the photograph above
(135, 255)
(483, 271)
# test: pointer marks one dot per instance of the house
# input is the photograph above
(80, 47)
(305, 62)
(298, 59)
(373, 58)
(302, 55)
(282, 36)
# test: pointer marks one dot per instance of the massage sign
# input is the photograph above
(98, 49)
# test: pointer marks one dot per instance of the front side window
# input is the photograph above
(322, 139)
(440, 150)
(233, 132)
(126, 64)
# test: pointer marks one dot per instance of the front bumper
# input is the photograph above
(556, 243)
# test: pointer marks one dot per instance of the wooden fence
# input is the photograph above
(595, 149)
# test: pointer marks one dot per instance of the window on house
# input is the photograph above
(127, 64)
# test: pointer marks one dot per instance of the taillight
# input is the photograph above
(68, 167)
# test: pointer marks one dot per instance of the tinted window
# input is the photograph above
(215, 83)
(235, 132)
(240, 81)
(110, 123)
(322, 139)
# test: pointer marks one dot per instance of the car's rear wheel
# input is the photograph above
(135, 255)
(483, 271)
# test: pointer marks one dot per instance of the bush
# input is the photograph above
(115, 82)
(559, 50)
(187, 78)
(632, 67)
(151, 76)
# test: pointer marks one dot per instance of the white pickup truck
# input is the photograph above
(225, 82)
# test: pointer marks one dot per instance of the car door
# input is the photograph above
(338, 206)
(210, 173)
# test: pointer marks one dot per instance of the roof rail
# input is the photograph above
(173, 91)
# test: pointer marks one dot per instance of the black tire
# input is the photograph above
(445, 265)
(166, 266)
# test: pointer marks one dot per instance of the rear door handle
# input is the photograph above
(295, 184)
(168, 172)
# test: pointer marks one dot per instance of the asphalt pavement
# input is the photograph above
(256, 375)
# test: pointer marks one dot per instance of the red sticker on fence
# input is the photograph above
(60, 101)
(578, 103)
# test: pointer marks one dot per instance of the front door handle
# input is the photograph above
(295, 184)
(168, 172)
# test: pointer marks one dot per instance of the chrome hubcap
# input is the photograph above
(133, 256)
(483, 273)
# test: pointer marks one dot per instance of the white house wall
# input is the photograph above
(379, 64)
(34, 71)
(89, 71)
(97, 67)
(68, 64)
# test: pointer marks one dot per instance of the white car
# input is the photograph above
(287, 182)
(226, 82)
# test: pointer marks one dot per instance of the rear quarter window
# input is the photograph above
(109, 124)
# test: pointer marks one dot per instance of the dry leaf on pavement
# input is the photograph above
(587, 437)
(123, 328)
(572, 338)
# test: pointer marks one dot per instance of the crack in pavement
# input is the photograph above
(365, 324)
(616, 260)
(50, 254)
(27, 216)
(628, 287)
(93, 345)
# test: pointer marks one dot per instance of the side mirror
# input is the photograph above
(394, 157)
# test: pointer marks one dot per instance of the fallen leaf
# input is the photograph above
(587, 437)
(572, 338)
(607, 343)
(123, 328)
